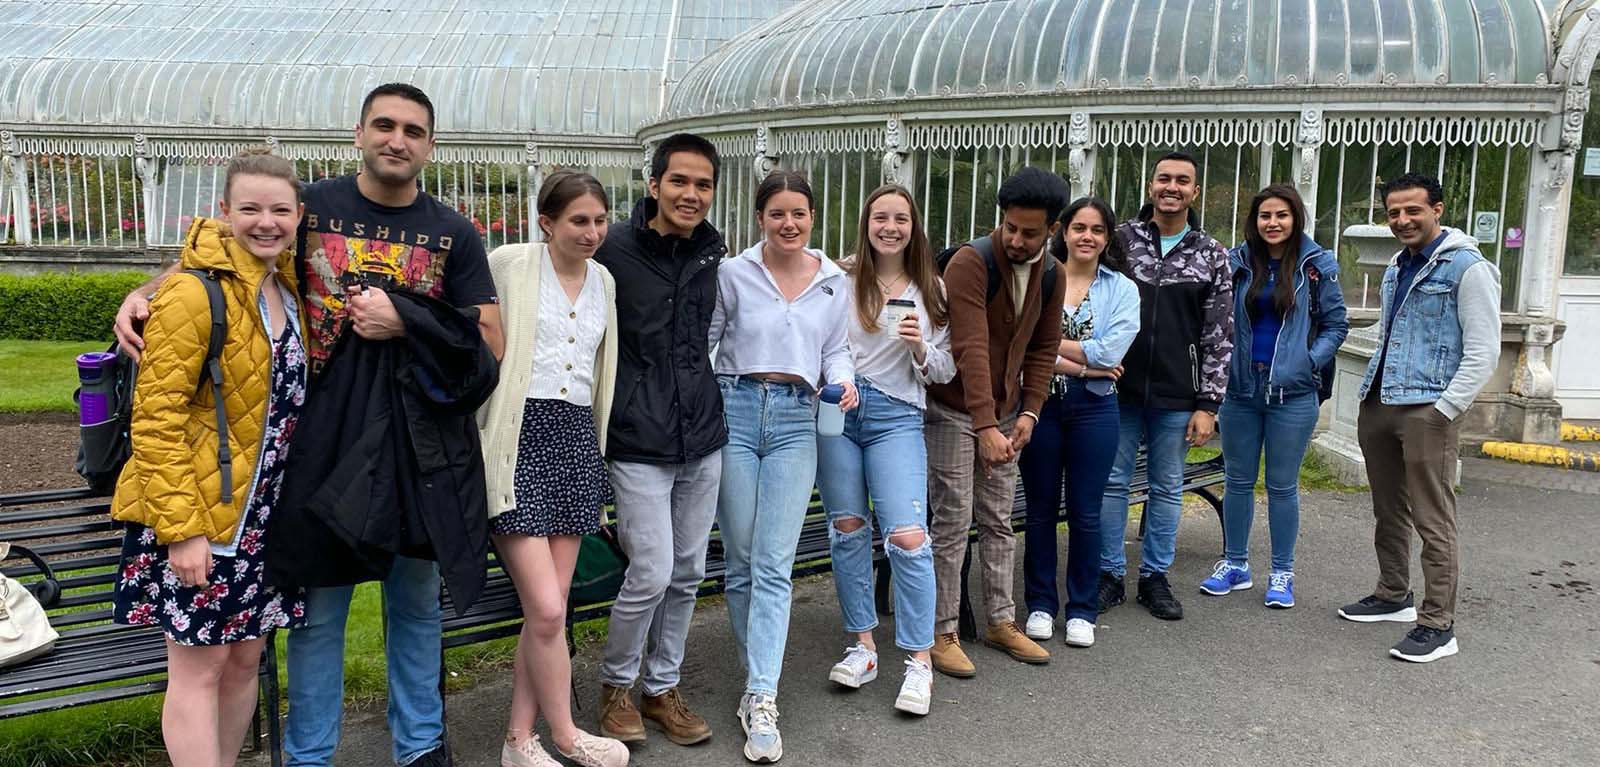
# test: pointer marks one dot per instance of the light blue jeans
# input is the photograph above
(880, 458)
(1163, 432)
(768, 469)
(1283, 429)
(411, 642)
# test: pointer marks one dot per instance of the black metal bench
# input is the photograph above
(496, 614)
(95, 660)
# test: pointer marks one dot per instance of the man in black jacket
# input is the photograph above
(666, 435)
(1175, 375)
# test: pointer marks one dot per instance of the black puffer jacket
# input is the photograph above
(667, 407)
(386, 459)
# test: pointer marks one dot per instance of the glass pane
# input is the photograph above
(1364, 42)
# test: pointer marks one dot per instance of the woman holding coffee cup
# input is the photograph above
(900, 342)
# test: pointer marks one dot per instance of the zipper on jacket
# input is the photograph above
(1155, 308)
(261, 447)
(1194, 369)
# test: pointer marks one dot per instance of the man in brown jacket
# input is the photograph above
(1004, 330)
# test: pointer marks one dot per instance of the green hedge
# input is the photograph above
(63, 307)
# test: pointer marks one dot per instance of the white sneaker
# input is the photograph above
(1041, 625)
(529, 753)
(758, 717)
(859, 666)
(916, 692)
(1080, 633)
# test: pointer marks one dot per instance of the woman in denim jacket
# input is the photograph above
(1076, 438)
(1289, 320)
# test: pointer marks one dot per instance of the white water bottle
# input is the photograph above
(830, 419)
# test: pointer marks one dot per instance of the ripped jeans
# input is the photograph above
(880, 458)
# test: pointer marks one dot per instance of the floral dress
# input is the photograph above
(236, 604)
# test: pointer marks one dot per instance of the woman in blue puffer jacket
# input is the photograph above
(1289, 319)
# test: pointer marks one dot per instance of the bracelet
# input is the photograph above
(1030, 414)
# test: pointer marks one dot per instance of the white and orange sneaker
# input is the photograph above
(859, 666)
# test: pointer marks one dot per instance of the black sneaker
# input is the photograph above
(439, 757)
(1425, 644)
(1371, 609)
(1156, 595)
(1112, 592)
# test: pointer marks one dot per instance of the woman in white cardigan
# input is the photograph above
(543, 435)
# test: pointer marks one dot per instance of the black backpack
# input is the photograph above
(985, 248)
(104, 447)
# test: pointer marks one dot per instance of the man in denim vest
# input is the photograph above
(1441, 342)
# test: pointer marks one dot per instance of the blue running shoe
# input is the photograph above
(1228, 577)
(1280, 589)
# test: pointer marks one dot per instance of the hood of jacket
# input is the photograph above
(1454, 240)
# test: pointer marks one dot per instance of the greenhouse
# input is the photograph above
(1332, 95)
(115, 118)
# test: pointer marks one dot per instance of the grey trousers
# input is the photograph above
(664, 516)
(959, 493)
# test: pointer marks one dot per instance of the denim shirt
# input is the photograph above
(1297, 355)
(1444, 339)
(1114, 301)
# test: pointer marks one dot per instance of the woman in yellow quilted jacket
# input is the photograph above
(192, 558)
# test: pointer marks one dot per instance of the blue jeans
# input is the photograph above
(880, 457)
(1076, 438)
(411, 649)
(1162, 432)
(768, 469)
(1283, 429)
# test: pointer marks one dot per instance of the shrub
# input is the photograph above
(63, 307)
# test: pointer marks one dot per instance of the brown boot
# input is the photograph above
(1009, 638)
(618, 718)
(672, 715)
(948, 658)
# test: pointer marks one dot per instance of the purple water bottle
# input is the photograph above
(95, 382)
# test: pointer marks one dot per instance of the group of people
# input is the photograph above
(641, 366)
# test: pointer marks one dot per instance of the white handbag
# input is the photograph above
(25, 630)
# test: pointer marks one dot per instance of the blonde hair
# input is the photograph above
(260, 161)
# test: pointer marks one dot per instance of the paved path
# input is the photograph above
(1233, 683)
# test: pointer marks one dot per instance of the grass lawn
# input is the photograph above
(40, 375)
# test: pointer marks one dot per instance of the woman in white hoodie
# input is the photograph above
(780, 331)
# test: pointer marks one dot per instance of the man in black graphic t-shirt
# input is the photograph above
(424, 247)
(376, 230)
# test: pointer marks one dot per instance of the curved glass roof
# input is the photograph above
(841, 51)
(492, 66)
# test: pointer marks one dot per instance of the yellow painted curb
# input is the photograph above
(1547, 455)
(1571, 432)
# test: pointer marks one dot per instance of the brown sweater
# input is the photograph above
(1003, 362)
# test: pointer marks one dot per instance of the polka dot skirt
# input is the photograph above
(560, 481)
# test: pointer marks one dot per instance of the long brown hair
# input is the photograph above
(1260, 255)
(918, 264)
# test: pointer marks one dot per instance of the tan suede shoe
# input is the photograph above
(1008, 637)
(618, 717)
(948, 658)
(668, 710)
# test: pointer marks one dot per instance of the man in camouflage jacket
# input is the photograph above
(1174, 378)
